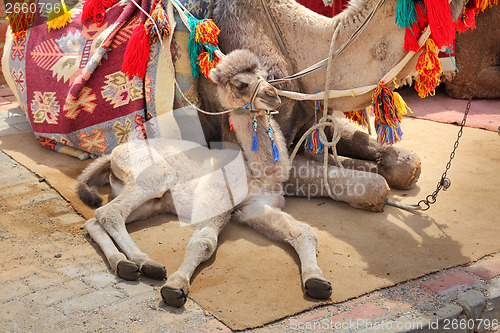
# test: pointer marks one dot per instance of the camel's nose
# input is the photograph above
(271, 91)
(270, 96)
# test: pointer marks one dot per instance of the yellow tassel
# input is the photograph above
(59, 17)
(429, 69)
(401, 107)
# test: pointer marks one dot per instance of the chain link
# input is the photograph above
(445, 182)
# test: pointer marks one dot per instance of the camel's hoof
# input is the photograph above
(154, 270)
(128, 270)
(173, 297)
(318, 289)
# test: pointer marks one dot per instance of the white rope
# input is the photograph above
(331, 94)
(326, 121)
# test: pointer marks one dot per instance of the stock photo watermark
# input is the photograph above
(360, 324)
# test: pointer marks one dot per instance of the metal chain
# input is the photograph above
(445, 182)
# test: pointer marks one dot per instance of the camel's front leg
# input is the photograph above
(279, 225)
(360, 189)
(200, 248)
(399, 166)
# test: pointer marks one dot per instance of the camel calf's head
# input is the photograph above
(240, 80)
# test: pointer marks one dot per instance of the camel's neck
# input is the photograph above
(261, 162)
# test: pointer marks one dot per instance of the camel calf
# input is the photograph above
(162, 175)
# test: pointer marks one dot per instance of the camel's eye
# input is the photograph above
(240, 86)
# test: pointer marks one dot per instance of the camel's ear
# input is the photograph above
(214, 75)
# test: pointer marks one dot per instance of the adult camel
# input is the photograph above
(305, 37)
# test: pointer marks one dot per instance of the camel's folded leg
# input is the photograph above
(200, 248)
(399, 166)
(360, 189)
(279, 225)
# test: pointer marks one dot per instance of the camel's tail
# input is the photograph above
(94, 176)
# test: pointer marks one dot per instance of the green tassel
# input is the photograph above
(405, 13)
(194, 48)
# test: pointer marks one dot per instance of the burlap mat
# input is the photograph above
(252, 280)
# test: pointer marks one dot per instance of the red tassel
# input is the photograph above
(466, 20)
(206, 65)
(109, 3)
(411, 41)
(440, 22)
(96, 10)
(135, 60)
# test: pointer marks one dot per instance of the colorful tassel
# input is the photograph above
(405, 13)
(207, 62)
(255, 143)
(312, 143)
(270, 131)
(204, 37)
(440, 22)
(161, 20)
(136, 56)
(359, 117)
(206, 32)
(59, 18)
(387, 116)
(429, 69)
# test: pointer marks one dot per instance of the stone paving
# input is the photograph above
(56, 279)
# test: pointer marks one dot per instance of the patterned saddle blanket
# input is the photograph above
(70, 84)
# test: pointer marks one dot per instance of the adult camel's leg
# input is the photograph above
(279, 225)
(399, 166)
(200, 248)
(360, 189)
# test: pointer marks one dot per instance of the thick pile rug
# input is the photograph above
(252, 280)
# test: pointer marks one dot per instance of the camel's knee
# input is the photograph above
(204, 243)
(307, 236)
(110, 216)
